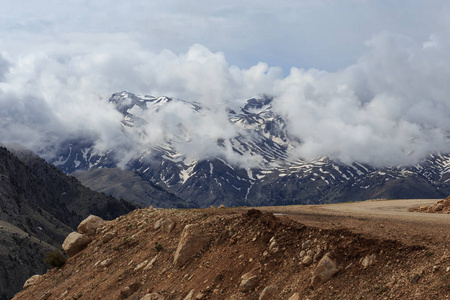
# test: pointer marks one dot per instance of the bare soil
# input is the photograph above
(411, 250)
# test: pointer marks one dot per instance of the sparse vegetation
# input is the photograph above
(158, 247)
(55, 259)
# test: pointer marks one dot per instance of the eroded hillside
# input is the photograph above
(241, 254)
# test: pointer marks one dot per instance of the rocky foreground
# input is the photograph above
(441, 207)
(222, 253)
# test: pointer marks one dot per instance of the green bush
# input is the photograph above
(158, 247)
(55, 259)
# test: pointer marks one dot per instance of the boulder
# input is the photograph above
(439, 207)
(31, 281)
(248, 282)
(368, 260)
(306, 244)
(273, 247)
(109, 236)
(192, 241)
(151, 263)
(89, 225)
(318, 254)
(189, 296)
(129, 290)
(167, 225)
(307, 260)
(153, 296)
(269, 293)
(107, 262)
(325, 269)
(294, 297)
(74, 243)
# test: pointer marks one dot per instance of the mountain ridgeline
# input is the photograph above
(278, 179)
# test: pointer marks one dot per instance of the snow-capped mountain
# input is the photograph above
(249, 162)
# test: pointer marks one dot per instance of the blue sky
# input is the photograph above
(358, 80)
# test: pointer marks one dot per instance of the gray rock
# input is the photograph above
(368, 260)
(189, 296)
(167, 225)
(295, 296)
(129, 290)
(74, 243)
(269, 293)
(151, 263)
(192, 241)
(307, 260)
(325, 269)
(310, 253)
(439, 207)
(153, 296)
(107, 262)
(248, 282)
(158, 224)
(306, 244)
(273, 247)
(31, 281)
(89, 225)
(318, 254)
(109, 236)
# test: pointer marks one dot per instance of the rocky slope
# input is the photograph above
(39, 206)
(260, 134)
(241, 254)
(441, 207)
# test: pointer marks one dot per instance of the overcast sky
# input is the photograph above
(362, 80)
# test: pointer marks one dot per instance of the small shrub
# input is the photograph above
(55, 259)
(158, 247)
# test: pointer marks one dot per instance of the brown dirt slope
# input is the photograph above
(138, 260)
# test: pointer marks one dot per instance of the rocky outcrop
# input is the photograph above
(166, 225)
(74, 243)
(442, 207)
(90, 225)
(294, 297)
(269, 293)
(368, 260)
(248, 282)
(153, 296)
(31, 281)
(109, 236)
(192, 241)
(325, 269)
(129, 290)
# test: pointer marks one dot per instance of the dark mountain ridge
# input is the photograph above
(39, 207)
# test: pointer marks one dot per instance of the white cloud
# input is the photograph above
(390, 107)
(386, 104)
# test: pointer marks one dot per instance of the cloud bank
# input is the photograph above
(389, 107)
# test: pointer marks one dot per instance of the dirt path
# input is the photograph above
(387, 219)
